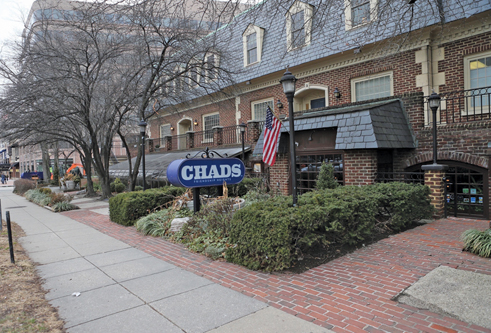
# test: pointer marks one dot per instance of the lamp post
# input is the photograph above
(242, 132)
(434, 103)
(143, 126)
(288, 81)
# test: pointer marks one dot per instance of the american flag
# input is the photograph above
(271, 133)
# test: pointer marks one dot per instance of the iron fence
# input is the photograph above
(464, 105)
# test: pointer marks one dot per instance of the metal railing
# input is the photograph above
(463, 106)
(217, 137)
(405, 177)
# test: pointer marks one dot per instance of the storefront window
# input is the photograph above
(308, 167)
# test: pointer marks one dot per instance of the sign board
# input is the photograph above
(205, 172)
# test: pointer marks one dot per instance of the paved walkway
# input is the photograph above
(350, 294)
(101, 284)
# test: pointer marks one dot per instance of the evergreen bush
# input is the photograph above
(127, 208)
(326, 179)
(21, 186)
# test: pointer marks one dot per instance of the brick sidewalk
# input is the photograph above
(350, 294)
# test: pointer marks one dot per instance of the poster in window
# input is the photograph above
(480, 200)
(473, 199)
(465, 190)
(473, 191)
(466, 199)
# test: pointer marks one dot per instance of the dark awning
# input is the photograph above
(156, 164)
(379, 125)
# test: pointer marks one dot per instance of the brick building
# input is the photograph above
(359, 105)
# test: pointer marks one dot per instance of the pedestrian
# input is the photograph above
(3, 178)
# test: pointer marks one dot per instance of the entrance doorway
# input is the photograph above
(184, 126)
(467, 191)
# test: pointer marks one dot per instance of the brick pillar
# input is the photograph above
(279, 175)
(434, 180)
(189, 139)
(360, 167)
(168, 142)
(253, 131)
(218, 135)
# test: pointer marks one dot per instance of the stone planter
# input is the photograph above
(70, 185)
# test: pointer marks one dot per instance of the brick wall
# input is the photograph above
(279, 175)
(360, 167)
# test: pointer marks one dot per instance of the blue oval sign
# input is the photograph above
(205, 172)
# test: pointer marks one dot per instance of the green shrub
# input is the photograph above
(477, 242)
(127, 208)
(261, 235)
(270, 234)
(45, 190)
(63, 206)
(156, 224)
(138, 188)
(59, 197)
(246, 185)
(208, 230)
(21, 186)
(38, 197)
(401, 204)
(119, 188)
(326, 178)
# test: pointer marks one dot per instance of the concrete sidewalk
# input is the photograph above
(123, 289)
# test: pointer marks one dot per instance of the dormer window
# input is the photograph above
(253, 44)
(359, 12)
(299, 25)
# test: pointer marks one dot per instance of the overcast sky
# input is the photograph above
(12, 14)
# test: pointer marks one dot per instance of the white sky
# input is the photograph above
(12, 14)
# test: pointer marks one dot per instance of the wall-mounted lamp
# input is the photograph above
(248, 82)
(279, 104)
(172, 128)
(196, 122)
(337, 93)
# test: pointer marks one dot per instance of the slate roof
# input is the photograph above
(329, 35)
(156, 164)
(372, 125)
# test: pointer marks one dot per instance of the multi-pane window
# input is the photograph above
(209, 122)
(259, 109)
(164, 131)
(298, 29)
(251, 48)
(371, 88)
(211, 71)
(360, 12)
(480, 77)
(308, 168)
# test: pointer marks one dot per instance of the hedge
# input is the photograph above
(127, 208)
(269, 235)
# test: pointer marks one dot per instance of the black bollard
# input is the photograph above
(9, 232)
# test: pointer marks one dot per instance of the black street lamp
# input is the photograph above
(143, 126)
(434, 104)
(242, 132)
(288, 81)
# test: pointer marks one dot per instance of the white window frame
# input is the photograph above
(371, 77)
(467, 81)
(348, 24)
(216, 61)
(162, 141)
(253, 114)
(259, 42)
(205, 130)
(299, 6)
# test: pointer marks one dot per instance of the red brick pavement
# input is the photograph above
(350, 294)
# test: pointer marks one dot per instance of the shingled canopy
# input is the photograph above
(380, 125)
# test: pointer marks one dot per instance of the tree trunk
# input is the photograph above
(46, 163)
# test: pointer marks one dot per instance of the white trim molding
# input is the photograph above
(308, 10)
(251, 29)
